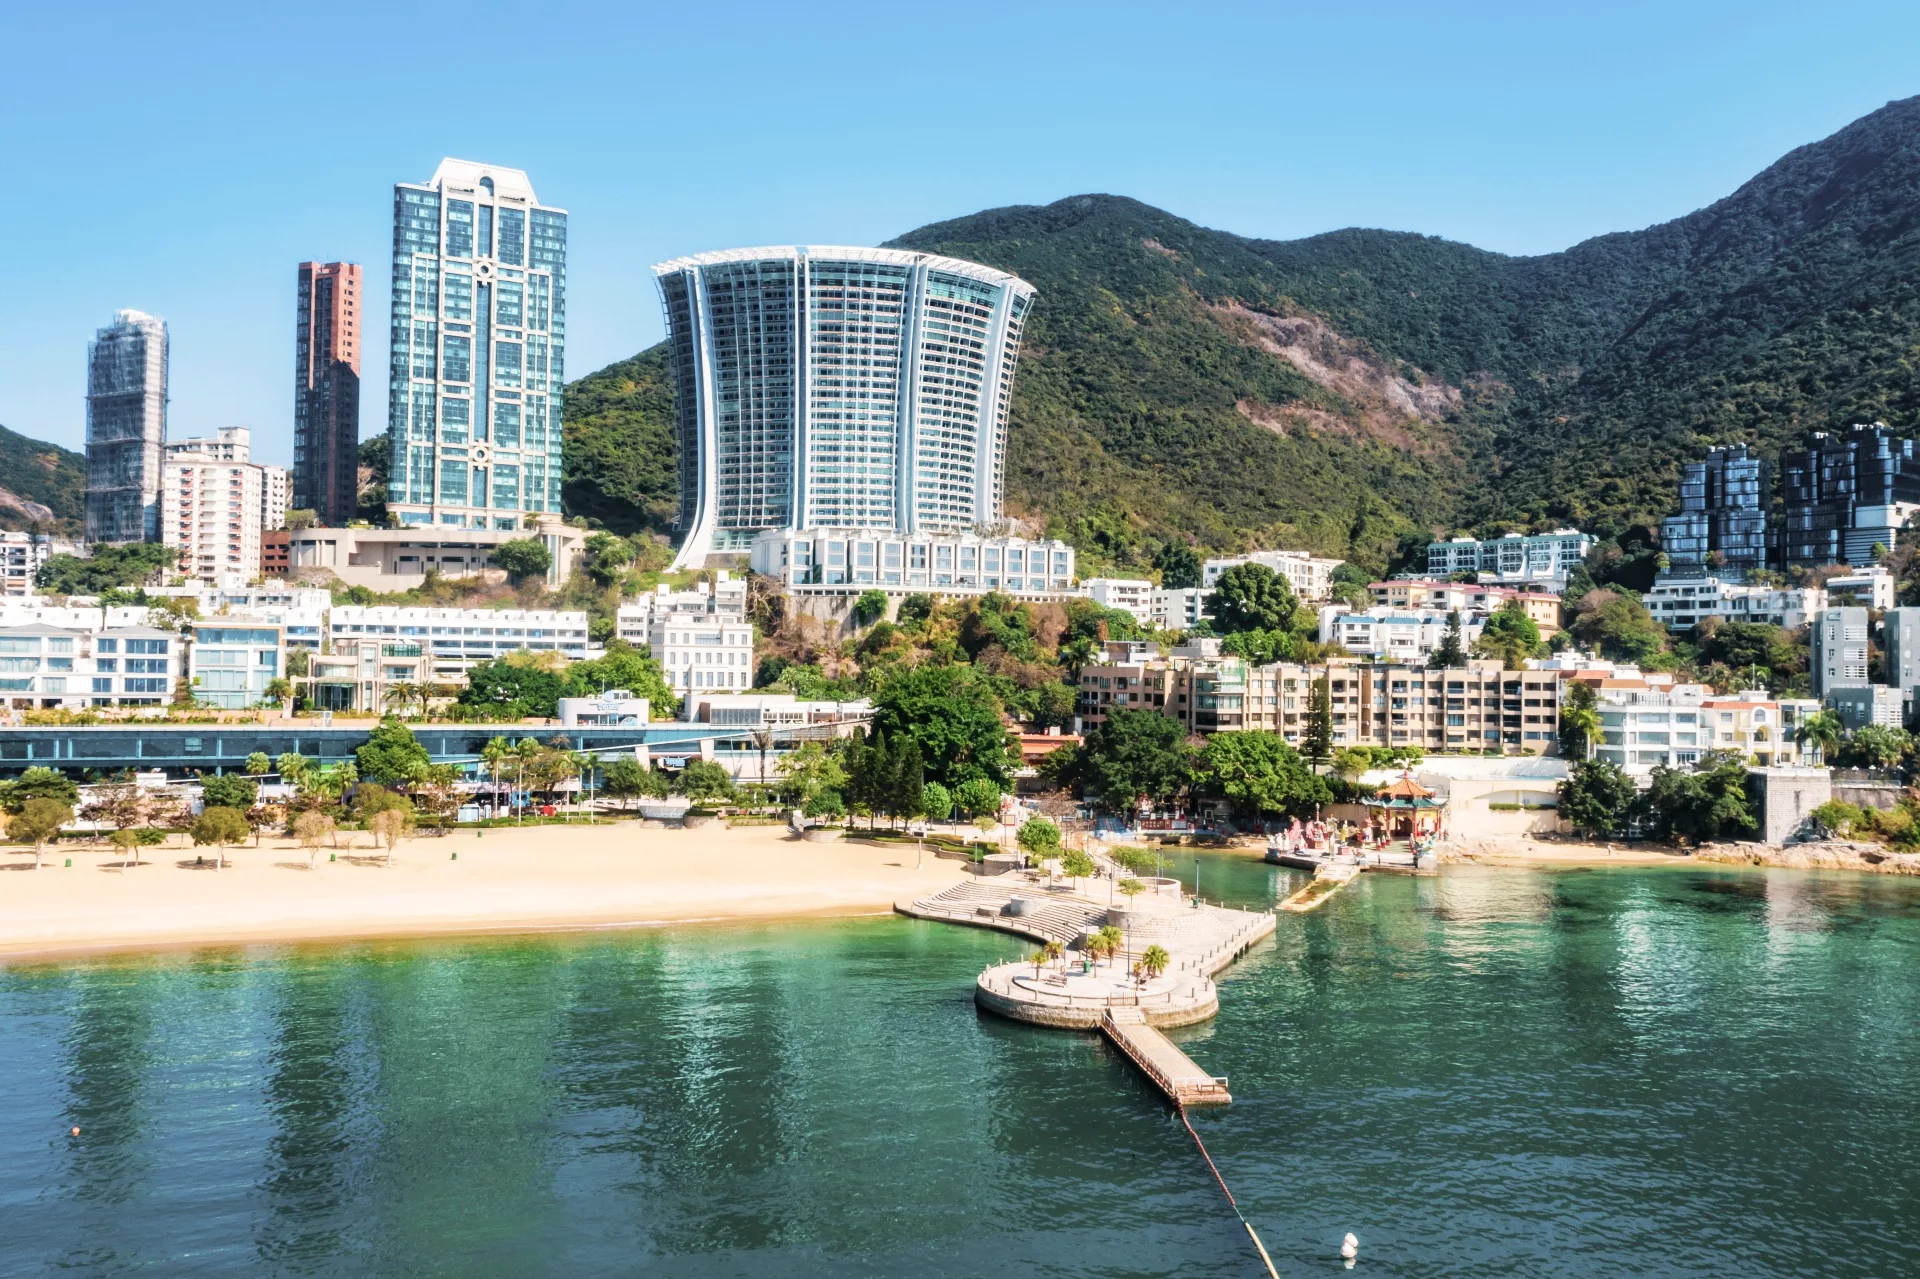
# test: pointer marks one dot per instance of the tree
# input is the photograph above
(121, 805)
(389, 825)
(258, 764)
(1596, 796)
(1251, 597)
(627, 778)
(909, 798)
(1077, 865)
(109, 566)
(1134, 755)
(222, 828)
(870, 607)
(293, 768)
(936, 801)
(1154, 959)
(1709, 802)
(1261, 775)
(279, 690)
(1451, 652)
(622, 666)
(512, 691)
(1580, 726)
(38, 822)
(372, 799)
(402, 695)
(1823, 730)
(1179, 565)
(1317, 741)
(979, 796)
(391, 753)
(1130, 888)
(38, 782)
(702, 780)
(1616, 625)
(229, 791)
(1349, 762)
(956, 724)
(523, 557)
(1039, 839)
(310, 829)
(1107, 942)
(607, 556)
(1876, 746)
(1511, 636)
(810, 774)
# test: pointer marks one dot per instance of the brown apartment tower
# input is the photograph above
(326, 391)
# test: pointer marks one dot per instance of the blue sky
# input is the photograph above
(182, 159)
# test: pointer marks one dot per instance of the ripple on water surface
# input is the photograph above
(1495, 1072)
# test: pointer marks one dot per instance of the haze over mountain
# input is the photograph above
(1350, 389)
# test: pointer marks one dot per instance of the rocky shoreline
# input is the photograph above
(1833, 854)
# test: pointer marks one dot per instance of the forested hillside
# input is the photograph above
(43, 487)
(1348, 391)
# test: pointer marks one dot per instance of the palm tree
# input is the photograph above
(524, 754)
(1054, 951)
(1824, 731)
(495, 755)
(1154, 960)
(1584, 719)
(404, 694)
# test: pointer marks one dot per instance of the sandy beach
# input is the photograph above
(1513, 850)
(507, 880)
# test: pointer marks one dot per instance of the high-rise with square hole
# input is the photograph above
(845, 388)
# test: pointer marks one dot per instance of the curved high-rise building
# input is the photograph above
(838, 388)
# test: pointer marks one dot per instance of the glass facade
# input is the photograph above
(478, 342)
(838, 388)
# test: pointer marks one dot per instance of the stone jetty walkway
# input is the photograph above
(1080, 992)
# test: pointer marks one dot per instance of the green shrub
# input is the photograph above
(1839, 816)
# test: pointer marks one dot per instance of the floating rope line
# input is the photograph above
(1228, 1193)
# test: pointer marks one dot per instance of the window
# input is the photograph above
(147, 686)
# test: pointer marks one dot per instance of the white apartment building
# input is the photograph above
(1642, 727)
(840, 561)
(1864, 588)
(1681, 603)
(1180, 609)
(770, 710)
(1544, 558)
(1311, 576)
(1400, 594)
(1127, 594)
(359, 673)
(1384, 635)
(47, 666)
(460, 638)
(726, 597)
(215, 501)
(21, 555)
(232, 661)
(698, 650)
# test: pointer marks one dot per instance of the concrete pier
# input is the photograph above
(1083, 993)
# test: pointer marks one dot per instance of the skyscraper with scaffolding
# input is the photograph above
(326, 391)
(126, 428)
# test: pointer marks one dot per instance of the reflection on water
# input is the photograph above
(1496, 1072)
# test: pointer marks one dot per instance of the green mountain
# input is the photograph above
(1351, 390)
(43, 487)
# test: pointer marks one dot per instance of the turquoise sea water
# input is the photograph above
(1618, 1072)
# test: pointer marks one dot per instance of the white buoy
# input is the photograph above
(1350, 1247)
